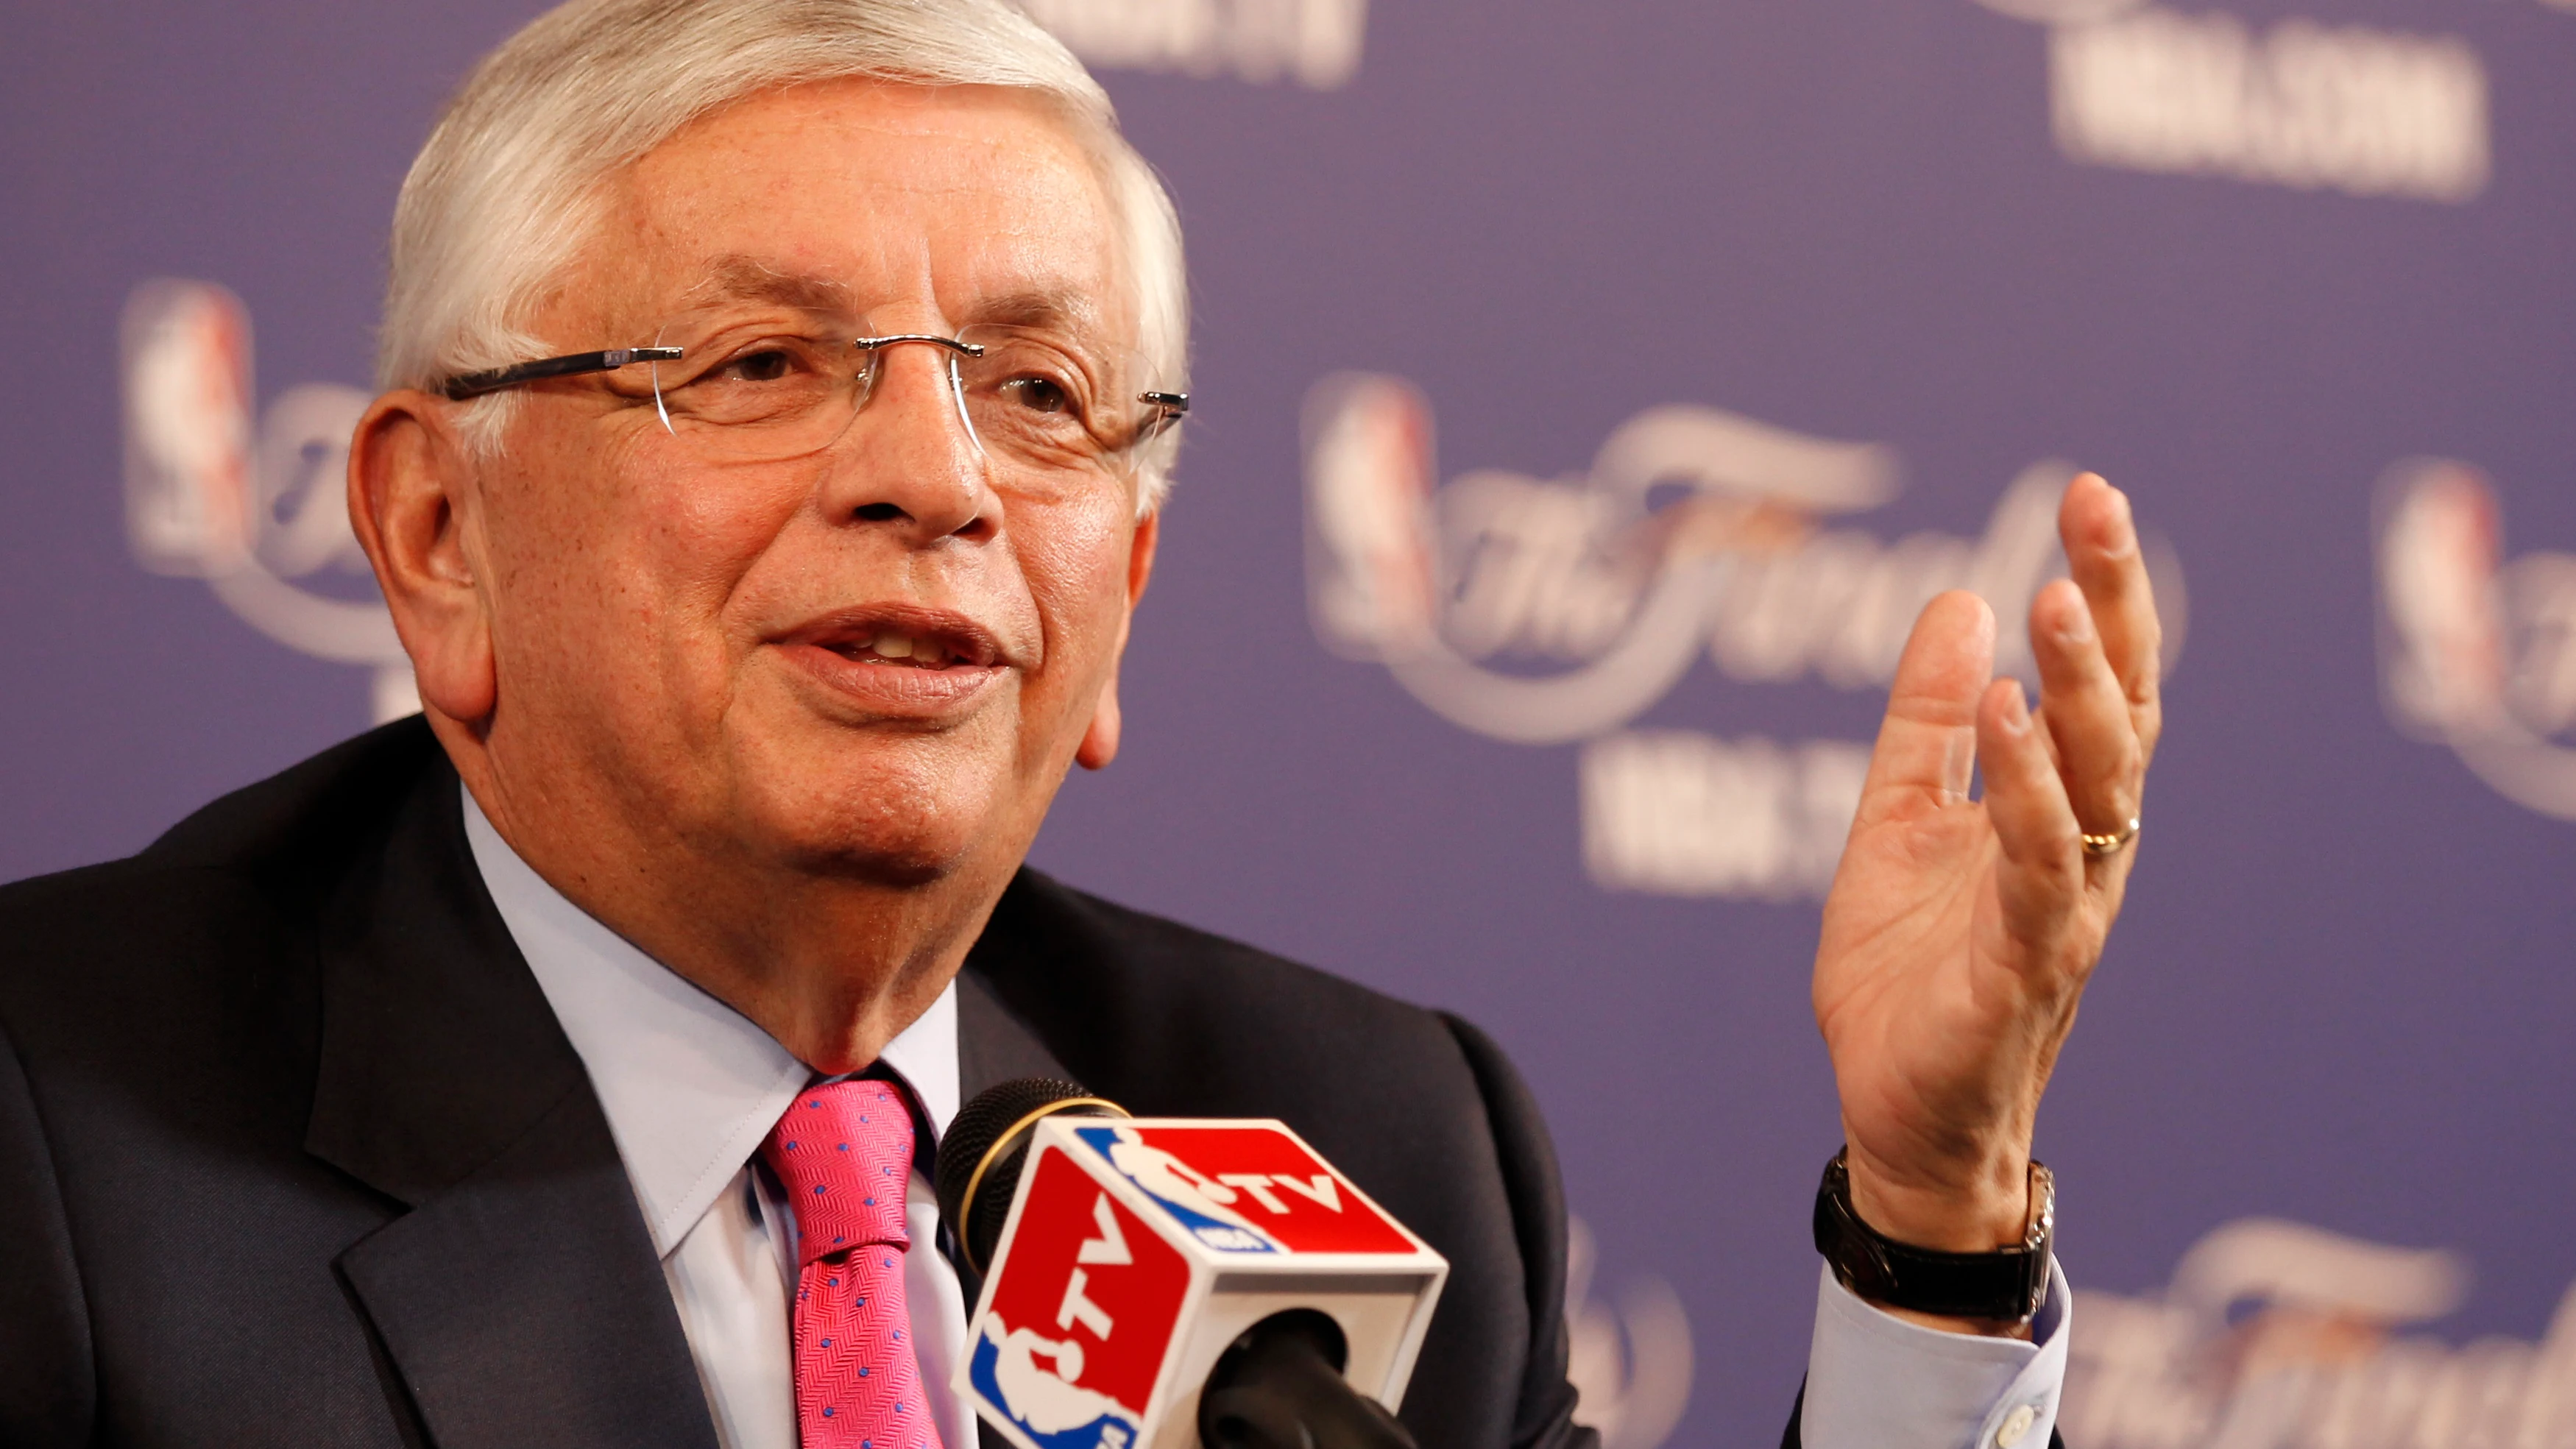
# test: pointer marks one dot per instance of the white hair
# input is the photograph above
(512, 181)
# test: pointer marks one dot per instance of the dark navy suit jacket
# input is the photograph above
(292, 1149)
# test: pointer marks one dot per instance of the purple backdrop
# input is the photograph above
(2258, 267)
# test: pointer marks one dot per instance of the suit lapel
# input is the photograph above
(525, 1305)
(520, 1298)
(993, 1045)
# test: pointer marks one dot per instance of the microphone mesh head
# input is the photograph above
(990, 1137)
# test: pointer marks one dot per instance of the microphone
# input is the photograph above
(1167, 1283)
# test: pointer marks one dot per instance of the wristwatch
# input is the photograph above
(2007, 1285)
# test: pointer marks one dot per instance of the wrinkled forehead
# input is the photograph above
(943, 205)
(737, 283)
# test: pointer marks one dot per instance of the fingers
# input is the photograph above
(2102, 553)
(2041, 875)
(2088, 717)
(1927, 746)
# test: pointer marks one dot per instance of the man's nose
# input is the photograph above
(911, 459)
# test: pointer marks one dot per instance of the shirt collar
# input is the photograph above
(689, 1085)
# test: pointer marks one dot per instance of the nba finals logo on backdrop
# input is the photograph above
(1557, 611)
(2274, 1335)
(2475, 652)
(251, 502)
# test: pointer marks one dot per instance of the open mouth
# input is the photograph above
(904, 638)
(909, 651)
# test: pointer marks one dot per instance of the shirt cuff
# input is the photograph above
(1875, 1381)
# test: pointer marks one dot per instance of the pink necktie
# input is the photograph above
(843, 1152)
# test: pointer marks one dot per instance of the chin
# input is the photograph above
(891, 826)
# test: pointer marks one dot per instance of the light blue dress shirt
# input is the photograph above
(690, 1087)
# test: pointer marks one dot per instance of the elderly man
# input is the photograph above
(779, 403)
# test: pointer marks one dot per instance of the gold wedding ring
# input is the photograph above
(2098, 846)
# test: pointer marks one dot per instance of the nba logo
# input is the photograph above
(1102, 1332)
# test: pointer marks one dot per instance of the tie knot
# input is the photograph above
(844, 1154)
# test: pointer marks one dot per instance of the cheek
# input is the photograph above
(622, 558)
(1077, 569)
(699, 531)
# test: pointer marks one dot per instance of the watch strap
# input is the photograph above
(2007, 1285)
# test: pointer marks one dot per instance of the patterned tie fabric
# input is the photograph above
(843, 1152)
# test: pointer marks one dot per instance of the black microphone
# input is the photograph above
(1173, 1283)
(979, 1160)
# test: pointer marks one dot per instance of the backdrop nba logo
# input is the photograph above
(257, 511)
(2477, 652)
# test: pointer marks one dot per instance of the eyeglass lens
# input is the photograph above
(768, 389)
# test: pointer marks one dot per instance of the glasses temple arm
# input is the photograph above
(476, 384)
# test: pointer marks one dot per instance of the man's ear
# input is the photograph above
(1140, 562)
(410, 500)
(1100, 741)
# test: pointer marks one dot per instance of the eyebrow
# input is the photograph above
(1061, 311)
(743, 279)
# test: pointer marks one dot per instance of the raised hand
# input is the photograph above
(1960, 932)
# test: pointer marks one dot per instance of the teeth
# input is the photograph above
(926, 653)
